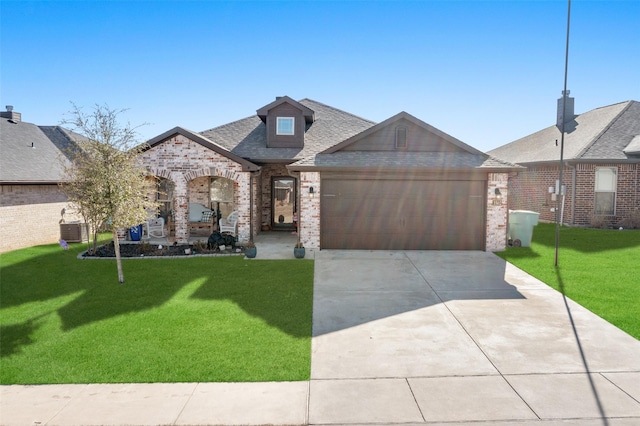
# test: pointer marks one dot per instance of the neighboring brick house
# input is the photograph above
(341, 181)
(600, 173)
(32, 207)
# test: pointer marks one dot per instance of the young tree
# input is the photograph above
(104, 180)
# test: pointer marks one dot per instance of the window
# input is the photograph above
(221, 195)
(605, 194)
(285, 125)
(165, 189)
(165, 197)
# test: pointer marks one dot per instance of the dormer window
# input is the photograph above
(285, 126)
(286, 122)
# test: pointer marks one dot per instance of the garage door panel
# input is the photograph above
(442, 240)
(402, 215)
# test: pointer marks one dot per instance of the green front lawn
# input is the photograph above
(207, 319)
(600, 269)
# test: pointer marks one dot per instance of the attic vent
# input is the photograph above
(401, 138)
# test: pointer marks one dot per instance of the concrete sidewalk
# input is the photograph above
(399, 338)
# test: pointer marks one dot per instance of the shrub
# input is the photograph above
(200, 246)
(598, 221)
(632, 221)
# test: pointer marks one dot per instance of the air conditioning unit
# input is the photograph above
(74, 232)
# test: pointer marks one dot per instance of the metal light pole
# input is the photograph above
(562, 128)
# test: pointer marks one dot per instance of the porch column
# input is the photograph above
(497, 212)
(309, 209)
(243, 206)
(181, 207)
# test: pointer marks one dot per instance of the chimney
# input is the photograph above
(568, 113)
(11, 114)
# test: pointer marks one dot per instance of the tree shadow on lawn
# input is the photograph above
(255, 287)
(151, 283)
(283, 301)
(14, 337)
(585, 240)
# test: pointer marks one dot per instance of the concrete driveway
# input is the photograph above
(399, 338)
(431, 336)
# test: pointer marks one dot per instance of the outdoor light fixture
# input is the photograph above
(498, 200)
(311, 192)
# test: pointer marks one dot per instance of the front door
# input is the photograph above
(283, 203)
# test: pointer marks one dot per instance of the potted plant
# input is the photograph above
(298, 250)
(250, 250)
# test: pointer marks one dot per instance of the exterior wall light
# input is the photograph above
(498, 199)
(311, 192)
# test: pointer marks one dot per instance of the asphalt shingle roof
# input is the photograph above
(247, 138)
(30, 153)
(404, 160)
(599, 134)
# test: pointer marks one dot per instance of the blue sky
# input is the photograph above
(486, 72)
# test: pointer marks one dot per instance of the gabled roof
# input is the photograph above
(202, 140)
(598, 135)
(400, 116)
(247, 138)
(463, 157)
(31, 154)
(307, 112)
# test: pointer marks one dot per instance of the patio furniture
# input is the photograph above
(230, 224)
(201, 217)
(155, 227)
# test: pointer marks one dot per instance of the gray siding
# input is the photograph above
(418, 139)
(285, 141)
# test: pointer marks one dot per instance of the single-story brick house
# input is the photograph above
(32, 207)
(341, 181)
(600, 173)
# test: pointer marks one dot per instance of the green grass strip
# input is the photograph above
(206, 319)
(598, 268)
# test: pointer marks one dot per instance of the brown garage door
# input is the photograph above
(402, 215)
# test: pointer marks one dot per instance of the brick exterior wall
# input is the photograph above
(530, 191)
(189, 165)
(310, 209)
(497, 212)
(31, 215)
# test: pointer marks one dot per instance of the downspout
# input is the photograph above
(298, 176)
(637, 191)
(255, 174)
(574, 173)
(251, 206)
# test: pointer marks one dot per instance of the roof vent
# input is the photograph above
(401, 138)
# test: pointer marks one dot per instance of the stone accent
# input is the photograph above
(497, 212)
(188, 164)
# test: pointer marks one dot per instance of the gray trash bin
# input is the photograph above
(521, 223)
